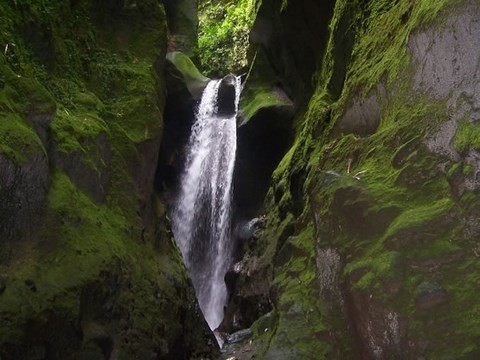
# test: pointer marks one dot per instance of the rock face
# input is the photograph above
(184, 85)
(291, 56)
(182, 24)
(370, 248)
(23, 189)
(24, 177)
(226, 97)
(88, 266)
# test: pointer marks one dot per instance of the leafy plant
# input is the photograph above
(224, 27)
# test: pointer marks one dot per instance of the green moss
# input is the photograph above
(139, 116)
(20, 99)
(89, 101)
(78, 133)
(436, 249)
(458, 283)
(255, 99)
(379, 268)
(454, 169)
(71, 130)
(426, 288)
(146, 35)
(465, 310)
(381, 48)
(419, 215)
(186, 67)
(467, 137)
(18, 141)
(86, 239)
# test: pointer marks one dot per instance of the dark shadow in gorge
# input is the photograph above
(261, 144)
(179, 115)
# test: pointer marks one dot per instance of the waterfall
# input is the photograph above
(202, 214)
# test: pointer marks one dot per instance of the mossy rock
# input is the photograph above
(377, 188)
(255, 99)
(186, 73)
(88, 275)
(82, 93)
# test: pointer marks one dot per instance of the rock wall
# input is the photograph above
(88, 266)
(370, 247)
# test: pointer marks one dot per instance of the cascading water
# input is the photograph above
(202, 215)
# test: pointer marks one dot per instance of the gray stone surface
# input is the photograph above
(362, 117)
(447, 63)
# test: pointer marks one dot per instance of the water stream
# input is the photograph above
(202, 214)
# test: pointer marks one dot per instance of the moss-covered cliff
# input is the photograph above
(88, 266)
(370, 248)
(358, 126)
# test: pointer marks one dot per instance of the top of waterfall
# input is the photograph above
(228, 96)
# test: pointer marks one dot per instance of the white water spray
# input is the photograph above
(202, 215)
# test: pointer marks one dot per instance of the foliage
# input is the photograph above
(224, 27)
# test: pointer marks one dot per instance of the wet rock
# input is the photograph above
(239, 336)
(38, 352)
(262, 142)
(23, 189)
(248, 285)
(429, 294)
(291, 43)
(380, 227)
(251, 229)
(265, 323)
(329, 268)
(226, 97)
(256, 99)
(382, 331)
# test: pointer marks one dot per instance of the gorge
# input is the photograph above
(328, 210)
